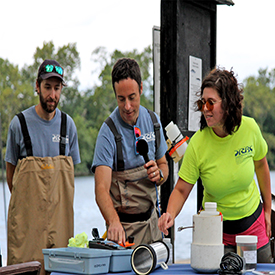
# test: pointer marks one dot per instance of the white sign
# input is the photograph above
(195, 79)
(156, 68)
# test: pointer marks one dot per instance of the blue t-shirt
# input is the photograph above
(106, 150)
(44, 136)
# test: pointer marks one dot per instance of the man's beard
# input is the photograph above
(45, 106)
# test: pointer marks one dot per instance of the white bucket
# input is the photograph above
(207, 247)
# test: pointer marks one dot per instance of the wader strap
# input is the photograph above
(118, 138)
(63, 130)
(156, 128)
(27, 139)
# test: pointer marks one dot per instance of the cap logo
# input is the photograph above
(49, 68)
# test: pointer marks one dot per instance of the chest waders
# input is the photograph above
(41, 205)
(134, 196)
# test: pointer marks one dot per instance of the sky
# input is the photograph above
(245, 39)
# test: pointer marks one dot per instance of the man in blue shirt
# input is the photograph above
(42, 149)
(126, 186)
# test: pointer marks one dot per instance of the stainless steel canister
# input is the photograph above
(146, 257)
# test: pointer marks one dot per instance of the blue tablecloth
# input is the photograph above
(181, 269)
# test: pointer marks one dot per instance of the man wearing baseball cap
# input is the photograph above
(42, 149)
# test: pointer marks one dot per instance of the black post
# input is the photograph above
(168, 84)
(188, 28)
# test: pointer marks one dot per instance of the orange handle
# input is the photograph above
(178, 145)
(127, 244)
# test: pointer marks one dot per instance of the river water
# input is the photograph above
(88, 216)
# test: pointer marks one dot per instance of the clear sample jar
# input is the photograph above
(247, 249)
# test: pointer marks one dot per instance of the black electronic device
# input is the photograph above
(100, 243)
(105, 245)
(96, 234)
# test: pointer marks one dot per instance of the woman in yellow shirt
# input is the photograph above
(225, 153)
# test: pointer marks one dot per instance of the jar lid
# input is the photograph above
(246, 239)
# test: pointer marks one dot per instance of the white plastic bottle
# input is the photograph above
(175, 136)
(173, 132)
(210, 209)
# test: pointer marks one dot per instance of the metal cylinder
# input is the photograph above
(146, 257)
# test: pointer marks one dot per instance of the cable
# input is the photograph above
(158, 205)
(231, 263)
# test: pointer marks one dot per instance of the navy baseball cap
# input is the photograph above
(50, 68)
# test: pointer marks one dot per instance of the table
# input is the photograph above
(181, 269)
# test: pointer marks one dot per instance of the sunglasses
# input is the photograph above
(137, 134)
(209, 104)
(50, 68)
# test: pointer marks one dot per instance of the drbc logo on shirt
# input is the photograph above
(149, 136)
(56, 138)
(243, 153)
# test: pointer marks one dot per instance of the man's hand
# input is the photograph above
(153, 168)
(152, 171)
(10, 168)
(116, 233)
(103, 177)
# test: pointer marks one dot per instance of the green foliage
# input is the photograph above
(270, 139)
(16, 94)
(87, 138)
(102, 100)
(259, 102)
(91, 107)
(88, 109)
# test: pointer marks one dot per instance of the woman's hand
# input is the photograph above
(165, 222)
(268, 224)
(176, 201)
(263, 177)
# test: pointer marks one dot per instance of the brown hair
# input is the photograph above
(126, 68)
(226, 84)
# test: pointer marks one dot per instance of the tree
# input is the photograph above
(68, 57)
(88, 109)
(16, 94)
(18, 86)
(259, 97)
(103, 99)
(100, 101)
(259, 102)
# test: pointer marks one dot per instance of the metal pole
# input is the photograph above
(3, 178)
